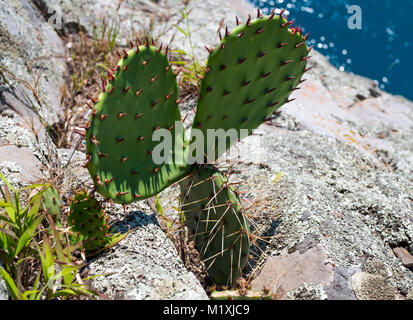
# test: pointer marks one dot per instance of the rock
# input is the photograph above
(32, 69)
(405, 257)
(307, 292)
(158, 20)
(331, 195)
(19, 162)
(372, 287)
(205, 19)
(4, 294)
(31, 60)
(129, 17)
(341, 287)
(23, 155)
(380, 125)
(144, 266)
(31, 72)
(288, 272)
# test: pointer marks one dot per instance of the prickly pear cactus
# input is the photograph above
(216, 221)
(250, 74)
(140, 98)
(50, 203)
(88, 222)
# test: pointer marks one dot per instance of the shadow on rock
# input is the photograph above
(135, 219)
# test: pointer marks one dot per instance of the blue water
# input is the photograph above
(381, 50)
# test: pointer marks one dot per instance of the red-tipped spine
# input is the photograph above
(272, 14)
(209, 49)
(288, 23)
(249, 20)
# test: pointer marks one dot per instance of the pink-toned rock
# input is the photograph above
(27, 166)
(404, 256)
(351, 109)
(287, 272)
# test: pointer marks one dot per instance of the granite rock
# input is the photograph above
(144, 266)
(32, 70)
(32, 64)
(159, 20)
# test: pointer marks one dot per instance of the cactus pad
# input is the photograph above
(251, 73)
(88, 222)
(139, 98)
(217, 224)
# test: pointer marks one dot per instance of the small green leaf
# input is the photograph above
(179, 62)
(11, 285)
(33, 212)
(34, 186)
(27, 295)
(2, 177)
(182, 31)
(179, 51)
(4, 204)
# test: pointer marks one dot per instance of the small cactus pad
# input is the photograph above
(250, 74)
(217, 224)
(88, 222)
(50, 203)
(139, 98)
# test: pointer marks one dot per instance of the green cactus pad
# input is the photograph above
(141, 97)
(250, 74)
(88, 222)
(216, 221)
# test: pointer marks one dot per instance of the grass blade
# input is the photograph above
(11, 285)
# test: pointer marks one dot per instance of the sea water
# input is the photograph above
(380, 50)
